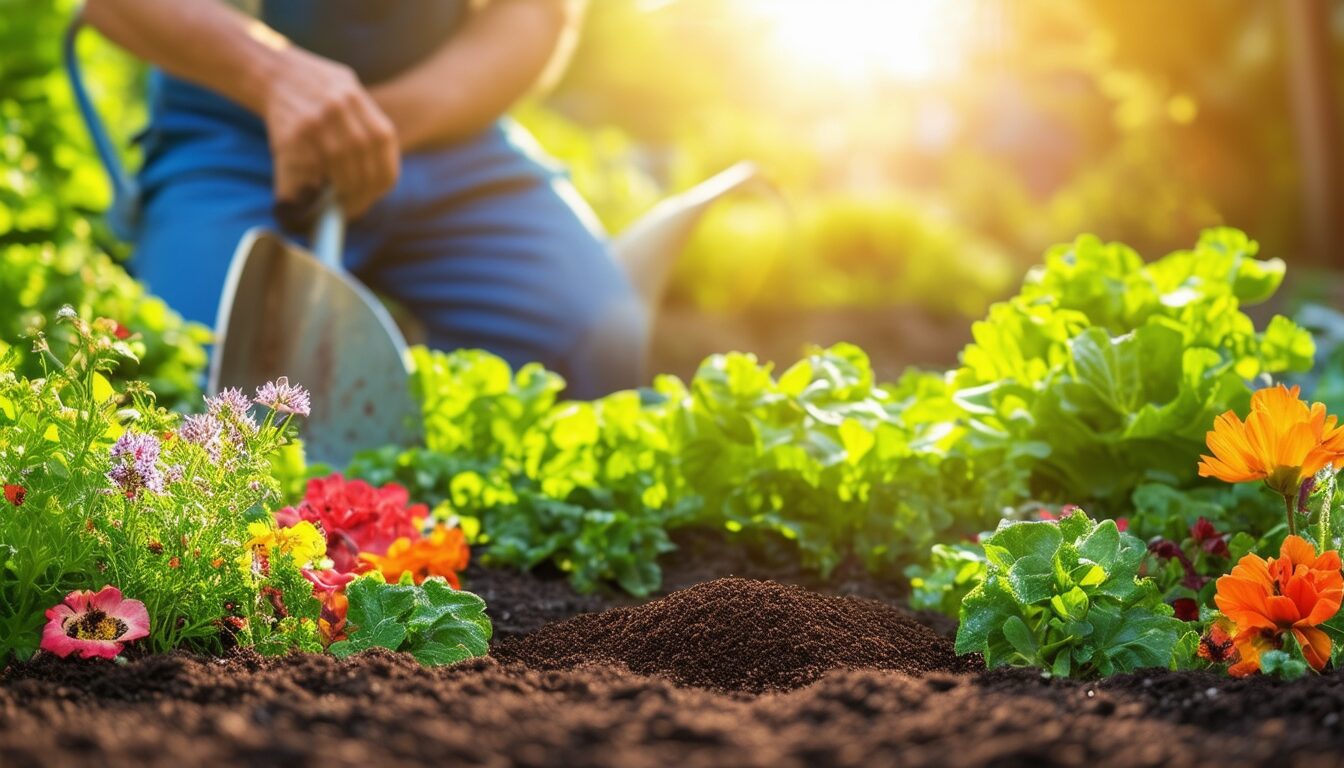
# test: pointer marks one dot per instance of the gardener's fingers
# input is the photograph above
(360, 153)
(381, 157)
(323, 126)
(297, 171)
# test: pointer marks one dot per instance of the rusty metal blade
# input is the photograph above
(284, 313)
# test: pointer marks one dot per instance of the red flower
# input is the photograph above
(1209, 539)
(15, 494)
(327, 581)
(1187, 608)
(356, 517)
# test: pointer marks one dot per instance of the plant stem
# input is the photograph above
(1288, 503)
(1324, 535)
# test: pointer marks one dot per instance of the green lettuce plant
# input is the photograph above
(1118, 366)
(431, 621)
(952, 572)
(1066, 597)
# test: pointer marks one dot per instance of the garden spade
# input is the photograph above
(288, 312)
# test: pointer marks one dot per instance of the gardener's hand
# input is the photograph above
(323, 126)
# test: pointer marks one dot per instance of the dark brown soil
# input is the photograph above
(741, 635)
(847, 682)
(383, 709)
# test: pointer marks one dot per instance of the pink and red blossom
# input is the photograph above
(94, 625)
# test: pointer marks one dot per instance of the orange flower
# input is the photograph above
(443, 553)
(1282, 441)
(331, 622)
(1295, 592)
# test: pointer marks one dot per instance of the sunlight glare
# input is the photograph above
(859, 40)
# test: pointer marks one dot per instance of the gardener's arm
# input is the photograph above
(321, 123)
(504, 50)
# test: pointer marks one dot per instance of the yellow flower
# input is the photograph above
(301, 541)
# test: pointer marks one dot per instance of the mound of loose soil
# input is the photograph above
(739, 635)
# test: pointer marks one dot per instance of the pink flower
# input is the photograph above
(94, 625)
(283, 397)
(327, 581)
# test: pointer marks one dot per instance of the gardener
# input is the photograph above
(398, 105)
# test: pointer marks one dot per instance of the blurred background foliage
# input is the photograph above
(54, 247)
(925, 153)
(1022, 124)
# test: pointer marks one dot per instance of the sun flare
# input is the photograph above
(859, 40)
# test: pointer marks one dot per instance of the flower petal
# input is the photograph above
(1315, 646)
(1282, 610)
(107, 600)
(1244, 602)
(135, 616)
(1297, 551)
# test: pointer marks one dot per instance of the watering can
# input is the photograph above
(288, 311)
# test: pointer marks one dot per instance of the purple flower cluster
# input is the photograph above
(232, 411)
(204, 430)
(283, 397)
(136, 467)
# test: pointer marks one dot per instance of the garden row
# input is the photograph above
(1094, 386)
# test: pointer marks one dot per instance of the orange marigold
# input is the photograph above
(1295, 592)
(442, 553)
(1282, 441)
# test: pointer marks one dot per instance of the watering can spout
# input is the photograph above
(649, 248)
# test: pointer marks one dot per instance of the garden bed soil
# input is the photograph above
(732, 672)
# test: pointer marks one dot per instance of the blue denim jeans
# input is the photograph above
(485, 242)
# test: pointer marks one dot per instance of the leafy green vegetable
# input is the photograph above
(1120, 366)
(953, 571)
(432, 621)
(1098, 379)
(1066, 597)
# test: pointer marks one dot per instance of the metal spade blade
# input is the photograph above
(285, 312)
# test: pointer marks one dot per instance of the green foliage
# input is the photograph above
(431, 621)
(174, 545)
(952, 572)
(834, 462)
(53, 249)
(585, 486)
(770, 254)
(285, 620)
(1066, 597)
(1119, 367)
